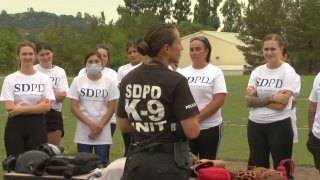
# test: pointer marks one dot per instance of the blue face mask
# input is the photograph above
(93, 69)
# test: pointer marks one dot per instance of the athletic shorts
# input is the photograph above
(313, 145)
(54, 121)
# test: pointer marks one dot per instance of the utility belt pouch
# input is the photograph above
(181, 154)
(177, 132)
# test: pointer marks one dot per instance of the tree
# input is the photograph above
(205, 13)
(135, 8)
(182, 10)
(9, 40)
(69, 49)
(3, 13)
(294, 20)
(231, 11)
(164, 9)
(30, 10)
(130, 8)
(79, 15)
(134, 27)
(302, 34)
(128, 26)
(262, 17)
(201, 12)
(187, 28)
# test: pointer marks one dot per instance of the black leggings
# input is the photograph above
(127, 141)
(113, 127)
(313, 145)
(24, 133)
(275, 138)
(207, 143)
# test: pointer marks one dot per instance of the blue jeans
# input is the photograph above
(100, 150)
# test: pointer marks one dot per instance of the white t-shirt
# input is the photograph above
(294, 110)
(26, 89)
(93, 97)
(204, 84)
(125, 69)
(298, 87)
(179, 70)
(58, 79)
(269, 82)
(109, 73)
(315, 97)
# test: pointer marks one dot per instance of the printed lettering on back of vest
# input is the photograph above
(154, 110)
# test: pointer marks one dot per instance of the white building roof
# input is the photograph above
(225, 36)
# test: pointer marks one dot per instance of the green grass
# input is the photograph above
(235, 114)
(234, 144)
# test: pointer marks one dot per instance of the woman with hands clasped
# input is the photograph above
(106, 57)
(93, 99)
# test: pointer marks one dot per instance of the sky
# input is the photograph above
(67, 7)
(72, 7)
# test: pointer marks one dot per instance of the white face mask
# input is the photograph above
(93, 69)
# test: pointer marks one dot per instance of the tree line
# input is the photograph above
(72, 36)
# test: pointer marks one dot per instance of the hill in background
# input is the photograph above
(33, 22)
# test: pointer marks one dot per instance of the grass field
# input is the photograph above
(235, 114)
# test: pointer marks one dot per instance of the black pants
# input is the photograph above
(24, 133)
(275, 138)
(126, 140)
(113, 127)
(313, 145)
(206, 145)
(154, 163)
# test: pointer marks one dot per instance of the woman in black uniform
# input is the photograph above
(156, 105)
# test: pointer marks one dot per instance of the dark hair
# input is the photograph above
(274, 37)
(102, 46)
(284, 52)
(91, 53)
(206, 44)
(133, 44)
(24, 44)
(155, 39)
(43, 45)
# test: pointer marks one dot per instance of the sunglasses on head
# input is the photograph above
(201, 38)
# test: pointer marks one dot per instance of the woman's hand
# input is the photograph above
(60, 95)
(45, 103)
(281, 98)
(14, 111)
(251, 91)
(95, 133)
(94, 126)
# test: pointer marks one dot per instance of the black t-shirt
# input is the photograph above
(152, 97)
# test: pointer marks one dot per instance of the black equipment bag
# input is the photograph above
(68, 165)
